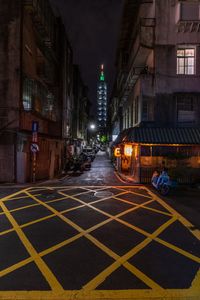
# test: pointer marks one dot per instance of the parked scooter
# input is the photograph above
(86, 161)
(161, 182)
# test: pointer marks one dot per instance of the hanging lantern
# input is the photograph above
(117, 152)
(128, 150)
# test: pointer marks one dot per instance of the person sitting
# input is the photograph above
(163, 178)
(155, 177)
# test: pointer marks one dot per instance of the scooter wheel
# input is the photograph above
(164, 190)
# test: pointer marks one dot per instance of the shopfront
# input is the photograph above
(139, 151)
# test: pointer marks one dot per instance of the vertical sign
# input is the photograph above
(35, 127)
(34, 148)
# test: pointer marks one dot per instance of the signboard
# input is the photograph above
(34, 148)
(35, 126)
(117, 152)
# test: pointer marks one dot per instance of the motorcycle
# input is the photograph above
(161, 182)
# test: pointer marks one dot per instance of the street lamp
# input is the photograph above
(92, 126)
(91, 130)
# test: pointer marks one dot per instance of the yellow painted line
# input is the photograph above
(19, 198)
(49, 276)
(15, 266)
(37, 221)
(158, 211)
(196, 282)
(62, 244)
(40, 219)
(100, 278)
(23, 207)
(12, 195)
(123, 260)
(6, 231)
(168, 294)
(113, 217)
(88, 236)
(147, 280)
(116, 217)
(32, 189)
(95, 282)
(54, 211)
(178, 250)
(164, 243)
(138, 295)
(36, 204)
(138, 194)
(66, 242)
(78, 194)
(183, 220)
(102, 295)
(143, 206)
(62, 192)
(135, 207)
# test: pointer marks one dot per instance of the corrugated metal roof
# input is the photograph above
(160, 135)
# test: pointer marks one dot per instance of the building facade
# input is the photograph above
(158, 67)
(80, 112)
(102, 102)
(36, 88)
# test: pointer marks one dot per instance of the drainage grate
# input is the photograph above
(103, 194)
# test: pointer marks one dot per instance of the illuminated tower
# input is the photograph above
(102, 102)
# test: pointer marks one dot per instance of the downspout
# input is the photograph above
(21, 16)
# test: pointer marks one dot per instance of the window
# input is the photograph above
(28, 93)
(185, 109)
(186, 61)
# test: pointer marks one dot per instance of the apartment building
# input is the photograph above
(35, 90)
(158, 68)
(81, 112)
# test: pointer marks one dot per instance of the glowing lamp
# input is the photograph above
(117, 152)
(128, 150)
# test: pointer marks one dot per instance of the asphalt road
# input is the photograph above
(95, 241)
(101, 173)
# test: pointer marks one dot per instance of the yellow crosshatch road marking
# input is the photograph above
(89, 290)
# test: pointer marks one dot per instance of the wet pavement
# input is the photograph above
(94, 237)
(95, 242)
(101, 173)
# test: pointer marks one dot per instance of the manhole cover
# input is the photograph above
(103, 194)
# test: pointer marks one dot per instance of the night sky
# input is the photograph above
(93, 30)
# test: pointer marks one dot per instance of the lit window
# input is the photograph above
(186, 61)
(28, 91)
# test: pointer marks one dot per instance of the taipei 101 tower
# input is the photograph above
(101, 102)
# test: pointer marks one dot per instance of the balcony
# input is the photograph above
(142, 45)
(187, 16)
(46, 73)
(148, 83)
(43, 19)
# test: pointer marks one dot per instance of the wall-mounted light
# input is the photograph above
(128, 150)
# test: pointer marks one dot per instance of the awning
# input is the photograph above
(154, 135)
